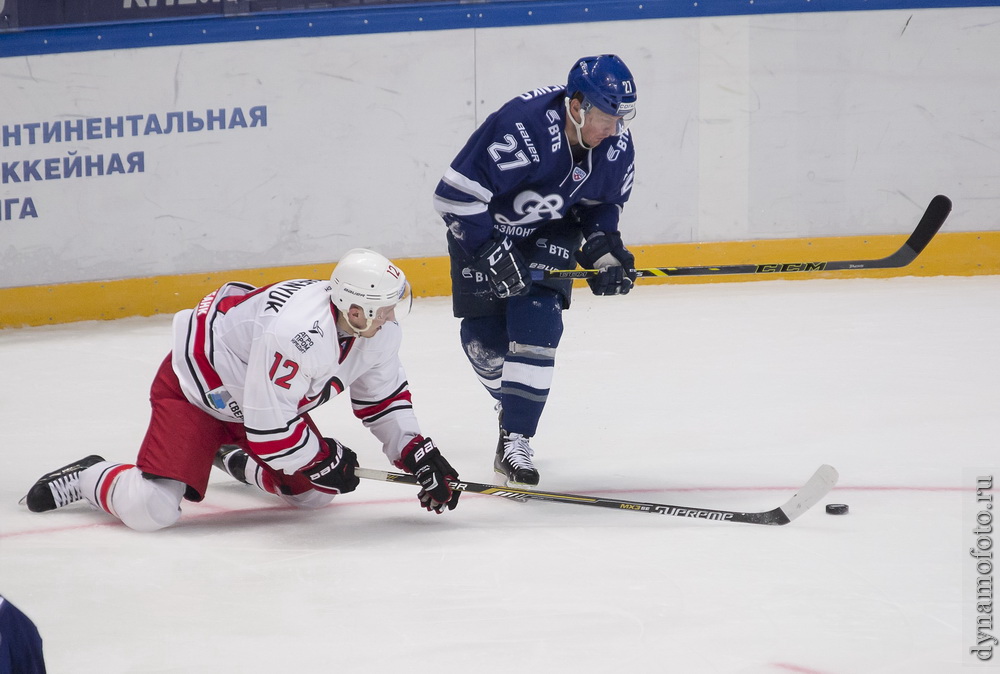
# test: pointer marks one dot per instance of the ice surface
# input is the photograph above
(721, 395)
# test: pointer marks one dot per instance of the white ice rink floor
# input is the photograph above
(722, 396)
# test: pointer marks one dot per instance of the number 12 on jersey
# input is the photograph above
(290, 365)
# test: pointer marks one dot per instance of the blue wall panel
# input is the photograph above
(30, 26)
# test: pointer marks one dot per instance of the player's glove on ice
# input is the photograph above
(504, 267)
(422, 459)
(606, 253)
(333, 470)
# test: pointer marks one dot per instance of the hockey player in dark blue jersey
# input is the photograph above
(539, 185)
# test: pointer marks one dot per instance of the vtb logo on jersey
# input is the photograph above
(578, 174)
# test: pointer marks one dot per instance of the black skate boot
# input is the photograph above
(513, 460)
(233, 460)
(58, 488)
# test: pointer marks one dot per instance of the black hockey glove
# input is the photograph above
(333, 473)
(606, 253)
(422, 459)
(504, 267)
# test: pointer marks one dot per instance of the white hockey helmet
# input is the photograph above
(372, 282)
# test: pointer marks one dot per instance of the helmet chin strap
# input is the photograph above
(578, 125)
(345, 324)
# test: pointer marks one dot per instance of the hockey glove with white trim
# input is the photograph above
(606, 253)
(504, 267)
(422, 459)
(333, 470)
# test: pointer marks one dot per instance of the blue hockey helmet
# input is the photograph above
(605, 83)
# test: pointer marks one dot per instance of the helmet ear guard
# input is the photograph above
(368, 280)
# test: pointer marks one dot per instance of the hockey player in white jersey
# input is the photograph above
(248, 364)
(549, 171)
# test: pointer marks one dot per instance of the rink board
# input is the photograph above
(949, 254)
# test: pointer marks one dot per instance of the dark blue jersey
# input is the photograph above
(20, 643)
(517, 173)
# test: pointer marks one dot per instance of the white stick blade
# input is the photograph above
(818, 486)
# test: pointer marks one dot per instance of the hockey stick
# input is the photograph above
(809, 495)
(935, 215)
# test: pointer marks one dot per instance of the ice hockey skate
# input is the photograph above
(58, 488)
(513, 460)
(233, 460)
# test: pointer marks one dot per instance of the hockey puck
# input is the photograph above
(836, 509)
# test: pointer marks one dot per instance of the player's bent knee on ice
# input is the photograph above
(155, 504)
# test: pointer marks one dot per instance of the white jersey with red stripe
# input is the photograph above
(264, 356)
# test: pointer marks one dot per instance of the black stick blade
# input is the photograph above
(934, 217)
